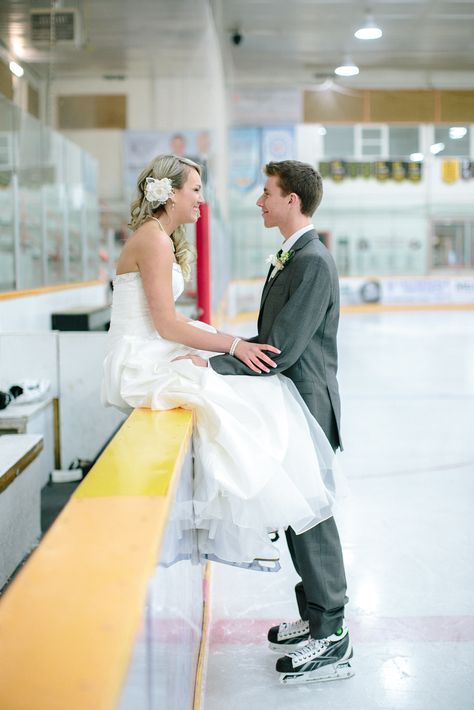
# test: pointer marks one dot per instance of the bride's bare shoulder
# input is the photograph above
(151, 236)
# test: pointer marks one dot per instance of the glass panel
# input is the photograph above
(403, 140)
(75, 202)
(452, 245)
(339, 142)
(7, 248)
(96, 257)
(55, 206)
(456, 147)
(30, 200)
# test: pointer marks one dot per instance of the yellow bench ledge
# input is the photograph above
(69, 621)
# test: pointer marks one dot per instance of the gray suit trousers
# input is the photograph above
(317, 558)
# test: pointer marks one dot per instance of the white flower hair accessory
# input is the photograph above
(158, 191)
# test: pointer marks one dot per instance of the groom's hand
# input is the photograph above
(253, 355)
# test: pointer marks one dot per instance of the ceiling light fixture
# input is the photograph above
(457, 132)
(437, 148)
(416, 157)
(347, 68)
(16, 69)
(369, 30)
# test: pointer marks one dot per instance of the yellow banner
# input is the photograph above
(450, 170)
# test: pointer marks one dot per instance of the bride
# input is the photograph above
(261, 460)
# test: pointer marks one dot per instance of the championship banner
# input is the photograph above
(467, 169)
(399, 170)
(337, 170)
(244, 158)
(450, 171)
(414, 171)
(353, 170)
(383, 170)
(324, 169)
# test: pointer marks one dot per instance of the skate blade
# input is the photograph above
(340, 672)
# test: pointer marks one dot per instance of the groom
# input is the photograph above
(299, 314)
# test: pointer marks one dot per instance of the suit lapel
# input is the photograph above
(300, 244)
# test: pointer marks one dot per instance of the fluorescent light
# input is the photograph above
(437, 148)
(369, 30)
(347, 69)
(416, 157)
(16, 69)
(457, 132)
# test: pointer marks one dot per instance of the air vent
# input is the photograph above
(58, 27)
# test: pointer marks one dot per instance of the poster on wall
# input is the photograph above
(139, 147)
(244, 158)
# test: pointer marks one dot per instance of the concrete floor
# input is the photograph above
(407, 385)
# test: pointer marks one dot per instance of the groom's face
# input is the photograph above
(273, 203)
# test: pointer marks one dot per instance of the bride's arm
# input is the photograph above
(155, 260)
(181, 317)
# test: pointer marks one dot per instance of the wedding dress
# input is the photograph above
(262, 462)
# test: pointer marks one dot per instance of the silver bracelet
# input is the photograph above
(235, 342)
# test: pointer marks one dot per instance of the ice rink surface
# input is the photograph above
(407, 387)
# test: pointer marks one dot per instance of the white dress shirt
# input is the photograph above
(289, 243)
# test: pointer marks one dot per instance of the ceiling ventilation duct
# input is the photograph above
(55, 26)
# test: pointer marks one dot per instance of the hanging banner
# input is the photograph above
(466, 169)
(278, 144)
(383, 170)
(414, 171)
(352, 170)
(450, 171)
(399, 170)
(337, 170)
(245, 164)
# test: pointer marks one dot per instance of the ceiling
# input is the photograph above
(284, 42)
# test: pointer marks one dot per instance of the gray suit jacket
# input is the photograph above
(299, 314)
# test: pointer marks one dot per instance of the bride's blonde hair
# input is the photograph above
(175, 169)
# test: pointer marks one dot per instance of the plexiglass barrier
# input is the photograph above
(49, 219)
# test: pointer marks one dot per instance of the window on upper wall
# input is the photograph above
(403, 141)
(339, 142)
(455, 139)
(370, 142)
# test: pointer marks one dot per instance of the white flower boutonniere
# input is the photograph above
(279, 260)
(158, 191)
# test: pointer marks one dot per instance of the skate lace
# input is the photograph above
(314, 646)
(294, 626)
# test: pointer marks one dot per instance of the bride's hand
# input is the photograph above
(195, 359)
(253, 355)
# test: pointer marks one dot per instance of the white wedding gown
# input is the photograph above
(261, 460)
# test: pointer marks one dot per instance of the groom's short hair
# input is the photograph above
(300, 178)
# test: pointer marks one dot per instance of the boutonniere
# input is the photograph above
(280, 260)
